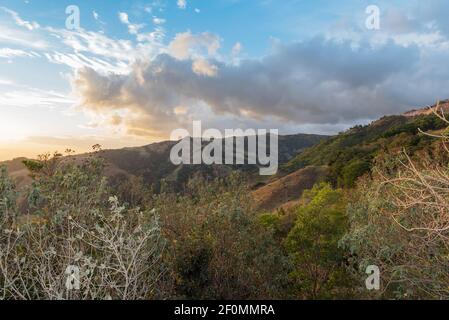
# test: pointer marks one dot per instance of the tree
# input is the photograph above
(313, 246)
(218, 249)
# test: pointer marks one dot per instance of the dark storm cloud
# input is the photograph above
(313, 82)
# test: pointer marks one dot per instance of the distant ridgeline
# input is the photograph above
(152, 163)
(350, 154)
(443, 105)
(346, 156)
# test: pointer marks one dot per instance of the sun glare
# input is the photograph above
(11, 131)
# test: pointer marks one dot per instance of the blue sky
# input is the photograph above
(135, 70)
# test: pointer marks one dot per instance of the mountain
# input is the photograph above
(18, 171)
(152, 162)
(443, 105)
(286, 191)
(352, 153)
(304, 159)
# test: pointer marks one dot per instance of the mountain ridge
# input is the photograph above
(304, 159)
(152, 162)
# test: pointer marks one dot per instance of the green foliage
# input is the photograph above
(219, 250)
(269, 221)
(425, 123)
(216, 246)
(33, 165)
(312, 244)
(8, 195)
(209, 242)
(351, 154)
(400, 225)
(353, 170)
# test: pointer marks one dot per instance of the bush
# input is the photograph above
(351, 172)
(400, 222)
(219, 249)
(313, 246)
(75, 227)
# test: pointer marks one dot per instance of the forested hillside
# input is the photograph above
(351, 154)
(374, 195)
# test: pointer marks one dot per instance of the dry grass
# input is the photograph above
(288, 190)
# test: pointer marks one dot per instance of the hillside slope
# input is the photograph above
(351, 154)
(152, 162)
(286, 191)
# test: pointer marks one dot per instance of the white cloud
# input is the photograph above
(186, 45)
(182, 4)
(123, 16)
(79, 48)
(6, 82)
(12, 33)
(204, 68)
(96, 44)
(11, 53)
(19, 21)
(27, 97)
(156, 36)
(132, 28)
(236, 49)
(157, 20)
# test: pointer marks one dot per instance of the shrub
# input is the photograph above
(400, 222)
(219, 249)
(76, 227)
(313, 246)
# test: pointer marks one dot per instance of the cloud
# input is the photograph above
(157, 20)
(236, 49)
(186, 45)
(6, 82)
(97, 44)
(397, 21)
(433, 16)
(155, 37)
(79, 60)
(317, 82)
(82, 48)
(149, 86)
(77, 48)
(10, 53)
(19, 21)
(123, 16)
(26, 97)
(16, 31)
(97, 17)
(132, 28)
(204, 67)
(182, 4)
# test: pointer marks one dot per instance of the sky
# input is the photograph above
(127, 73)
